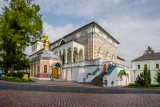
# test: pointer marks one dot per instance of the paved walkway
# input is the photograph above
(68, 94)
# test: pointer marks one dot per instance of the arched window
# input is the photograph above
(45, 68)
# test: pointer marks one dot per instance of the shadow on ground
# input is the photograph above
(73, 89)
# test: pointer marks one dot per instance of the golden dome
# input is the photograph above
(45, 36)
(46, 42)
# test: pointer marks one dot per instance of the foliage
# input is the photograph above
(16, 79)
(13, 74)
(20, 26)
(130, 84)
(155, 85)
(22, 64)
(157, 78)
(139, 86)
(144, 78)
(149, 50)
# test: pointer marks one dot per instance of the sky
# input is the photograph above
(134, 23)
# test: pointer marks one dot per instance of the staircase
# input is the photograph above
(98, 80)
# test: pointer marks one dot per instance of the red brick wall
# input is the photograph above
(44, 75)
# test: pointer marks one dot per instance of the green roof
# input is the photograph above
(122, 72)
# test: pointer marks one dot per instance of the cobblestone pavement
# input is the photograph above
(67, 94)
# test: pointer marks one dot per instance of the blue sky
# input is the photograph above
(134, 23)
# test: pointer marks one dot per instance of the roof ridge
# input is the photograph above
(148, 56)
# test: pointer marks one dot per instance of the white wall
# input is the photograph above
(114, 77)
(78, 73)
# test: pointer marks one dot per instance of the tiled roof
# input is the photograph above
(150, 56)
(90, 24)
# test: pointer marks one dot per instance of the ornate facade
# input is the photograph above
(80, 51)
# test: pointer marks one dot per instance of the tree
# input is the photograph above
(149, 50)
(144, 78)
(157, 78)
(20, 26)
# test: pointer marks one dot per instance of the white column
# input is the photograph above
(78, 55)
(66, 56)
(72, 55)
(83, 57)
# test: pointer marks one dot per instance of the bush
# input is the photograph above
(19, 74)
(155, 85)
(13, 74)
(144, 78)
(16, 79)
(130, 84)
(157, 78)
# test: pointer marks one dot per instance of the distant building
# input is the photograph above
(151, 60)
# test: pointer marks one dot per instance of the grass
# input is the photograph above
(16, 79)
(142, 87)
(154, 86)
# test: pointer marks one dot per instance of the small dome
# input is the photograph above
(45, 36)
(46, 42)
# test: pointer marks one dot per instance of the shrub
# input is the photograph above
(157, 78)
(19, 74)
(144, 78)
(130, 84)
(13, 74)
(16, 79)
(155, 85)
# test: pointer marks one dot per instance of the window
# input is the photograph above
(45, 68)
(139, 67)
(157, 65)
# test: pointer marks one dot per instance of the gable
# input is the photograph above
(62, 41)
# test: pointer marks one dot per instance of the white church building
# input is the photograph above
(84, 55)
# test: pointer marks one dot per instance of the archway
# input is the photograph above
(75, 55)
(56, 70)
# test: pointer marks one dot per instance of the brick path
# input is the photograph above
(12, 96)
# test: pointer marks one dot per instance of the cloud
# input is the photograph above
(134, 35)
(76, 8)
(93, 9)
(134, 23)
(54, 33)
(57, 32)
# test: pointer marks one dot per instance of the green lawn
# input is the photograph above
(154, 87)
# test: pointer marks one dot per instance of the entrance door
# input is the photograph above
(54, 73)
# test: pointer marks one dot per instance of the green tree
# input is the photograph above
(144, 78)
(157, 78)
(149, 50)
(20, 26)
